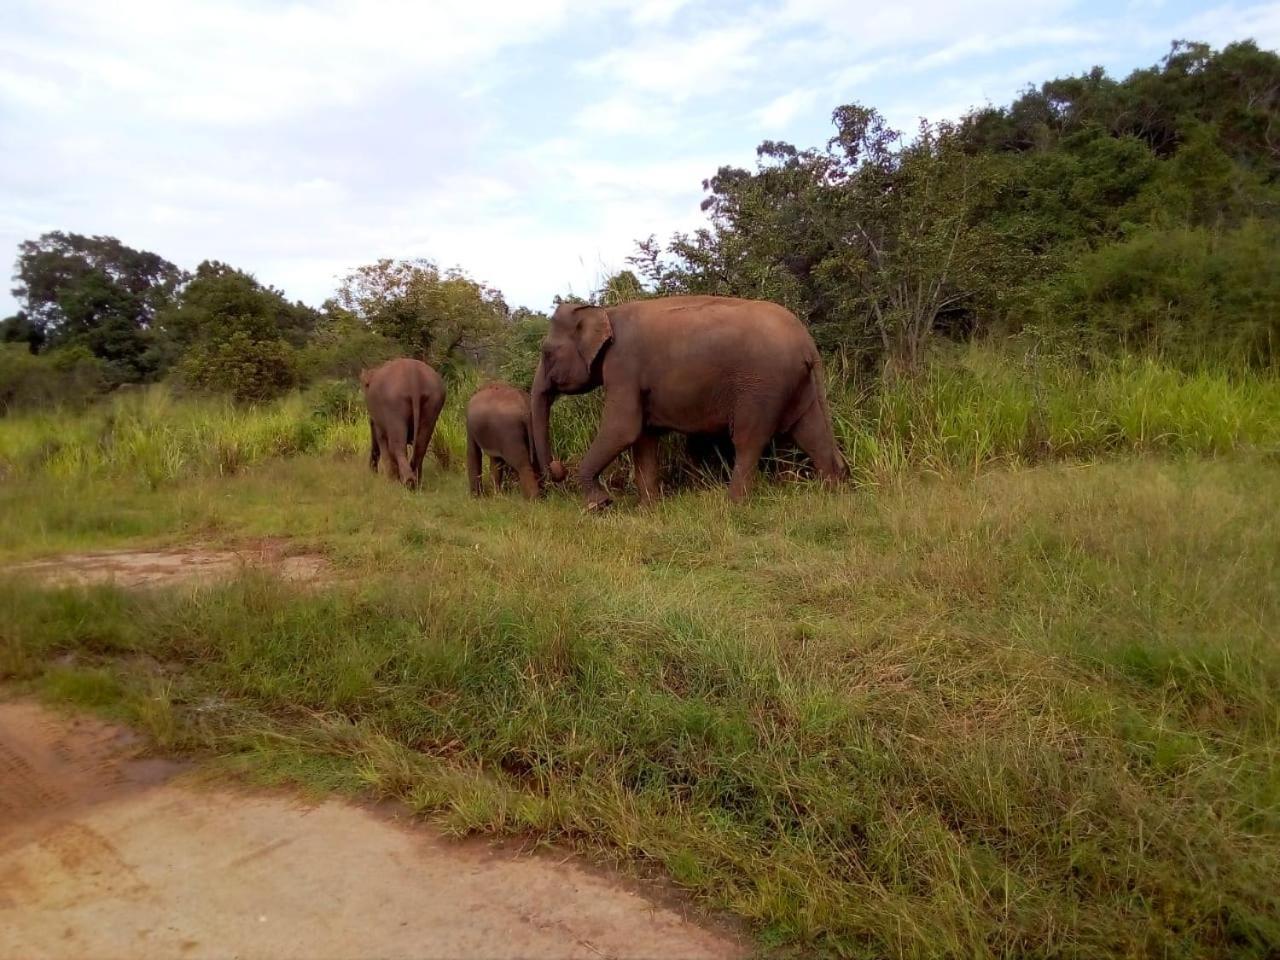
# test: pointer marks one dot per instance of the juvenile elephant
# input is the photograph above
(691, 364)
(498, 425)
(404, 398)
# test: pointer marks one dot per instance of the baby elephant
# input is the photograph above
(498, 424)
(404, 398)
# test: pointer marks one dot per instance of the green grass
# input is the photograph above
(1031, 712)
(1012, 692)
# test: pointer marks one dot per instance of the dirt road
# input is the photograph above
(106, 854)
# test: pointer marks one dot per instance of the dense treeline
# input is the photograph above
(1136, 214)
(1090, 215)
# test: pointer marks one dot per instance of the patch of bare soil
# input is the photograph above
(104, 854)
(139, 568)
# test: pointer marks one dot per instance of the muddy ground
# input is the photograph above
(194, 565)
(105, 852)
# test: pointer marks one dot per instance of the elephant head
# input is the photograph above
(572, 352)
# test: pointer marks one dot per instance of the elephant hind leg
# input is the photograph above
(428, 413)
(497, 473)
(754, 424)
(397, 442)
(384, 449)
(644, 456)
(475, 467)
(375, 446)
(814, 435)
(529, 481)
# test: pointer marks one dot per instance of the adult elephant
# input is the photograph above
(404, 398)
(690, 364)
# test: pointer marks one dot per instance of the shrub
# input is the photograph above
(67, 377)
(243, 368)
(1189, 293)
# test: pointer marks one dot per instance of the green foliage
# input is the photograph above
(875, 240)
(234, 335)
(882, 242)
(621, 287)
(243, 368)
(444, 318)
(521, 346)
(69, 377)
(221, 301)
(1191, 293)
(342, 346)
(19, 329)
(97, 293)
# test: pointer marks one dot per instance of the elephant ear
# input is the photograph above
(594, 331)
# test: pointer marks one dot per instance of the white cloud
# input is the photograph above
(626, 114)
(1221, 25)
(679, 68)
(914, 23)
(986, 43)
(782, 109)
(655, 12)
(246, 63)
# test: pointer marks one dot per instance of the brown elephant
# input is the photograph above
(690, 364)
(498, 425)
(404, 398)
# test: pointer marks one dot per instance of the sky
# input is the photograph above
(530, 142)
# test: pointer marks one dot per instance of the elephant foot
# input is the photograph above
(599, 505)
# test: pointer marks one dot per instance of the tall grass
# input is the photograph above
(963, 412)
(983, 407)
(1033, 714)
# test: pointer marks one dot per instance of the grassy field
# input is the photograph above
(979, 703)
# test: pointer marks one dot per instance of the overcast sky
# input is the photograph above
(528, 141)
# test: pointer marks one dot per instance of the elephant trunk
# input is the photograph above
(543, 395)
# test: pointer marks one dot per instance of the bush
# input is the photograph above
(520, 351)
(68, 377)
(1189, 294)
(339, 400)
(245, 369)
(342, 350)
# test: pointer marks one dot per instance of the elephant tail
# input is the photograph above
(809, 392)
(819, 385)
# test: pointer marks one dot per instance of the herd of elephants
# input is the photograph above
(694, 365)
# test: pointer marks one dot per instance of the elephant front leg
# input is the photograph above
(619, 428)
(747, 450)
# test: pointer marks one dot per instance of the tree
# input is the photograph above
(443, 318)
(872, 240)
(220, 300)
(96, 292)
(19, 329)
(914, 242)
(619, 288)
(240, 366)
(230, 334)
